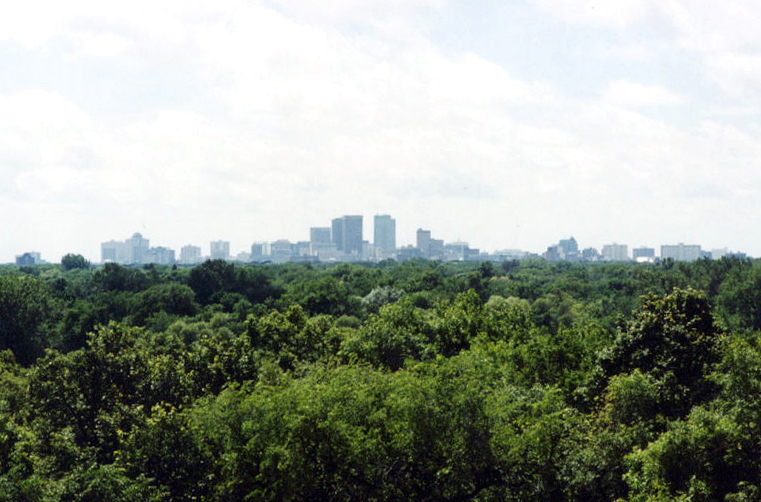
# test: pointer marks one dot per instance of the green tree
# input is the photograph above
(26, 309)
(675, 341)
(399, 332)
(170, 298)
(739, 299)
(72, 261)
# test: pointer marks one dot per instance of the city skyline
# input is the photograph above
(506, 124)
(345, 240)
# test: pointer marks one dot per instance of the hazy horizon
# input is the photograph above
(503, 124)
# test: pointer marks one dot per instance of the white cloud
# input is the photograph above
(637, 52)
(726, 37)
(615, 13)
(310, 119)
(396, 18)
(634, 94)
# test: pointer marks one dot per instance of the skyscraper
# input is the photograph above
(352, 234)
(319, 236)
(423, 241)
(384, 230)
(347, 234)
(337, 233)
(320, 242)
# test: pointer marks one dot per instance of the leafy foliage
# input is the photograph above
(381, 382)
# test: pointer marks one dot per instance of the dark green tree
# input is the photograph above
(26, 309)
(673, 340)
(72, 261)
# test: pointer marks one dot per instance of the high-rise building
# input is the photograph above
(259, 251)
(423, 241)
(615, 252)
(681, 252)
(281, 250)
(337, 233)
(220, 250)
(319, 236)
(554, 253)
(643, 254)
(190, 255)
(590, 254)
(321, 244)
(352, 234)
(129, 252)
(569, 246)
(110, 251)
(718, 254)
(159, 255)
(137, 249)
(30, 258)
(302, 248)
(384, 229)
(346, 234)
(455, 251)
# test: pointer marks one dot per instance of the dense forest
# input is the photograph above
(519, 381)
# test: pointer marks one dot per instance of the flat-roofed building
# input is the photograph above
(219, 250)
(615, 252)
(384, 238)
(681, 252)
(643, 254)
(423, 241)
(190, 255)
(346, 234)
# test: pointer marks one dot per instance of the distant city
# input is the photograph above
(343, 241)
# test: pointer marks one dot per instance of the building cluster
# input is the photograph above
(344, 240)
(135, 250)
(568, 250)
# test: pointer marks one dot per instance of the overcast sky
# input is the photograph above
(507, 124)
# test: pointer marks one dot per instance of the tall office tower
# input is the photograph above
(337, 233)
(220, 250)
(569, 246)
(352, 234)
(319, 236)
(320, 241)
(385, 234)
(346, 234)
(423, 242)
(190, 255)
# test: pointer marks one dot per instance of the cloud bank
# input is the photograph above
(253, 121)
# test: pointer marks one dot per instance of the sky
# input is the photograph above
(506, 124)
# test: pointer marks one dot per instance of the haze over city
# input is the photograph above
(504, 124)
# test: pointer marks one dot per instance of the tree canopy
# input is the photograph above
(381, 382)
